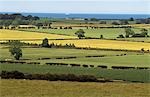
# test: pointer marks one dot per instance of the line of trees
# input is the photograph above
(130, 33)
(17, 19)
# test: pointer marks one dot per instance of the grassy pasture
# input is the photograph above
(110, 59)
(130, 60)
(128, 75)
(109, 33)
(35, 53)
(39, 88)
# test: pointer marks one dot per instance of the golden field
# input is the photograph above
(103, 44)
(19, 35)
(94, 43)
(39, 88)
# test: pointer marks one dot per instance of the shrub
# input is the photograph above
(50, 77)
(12, 75)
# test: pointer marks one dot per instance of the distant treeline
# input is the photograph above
(7, 20)
(17, 16)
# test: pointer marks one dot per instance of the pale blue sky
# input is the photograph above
(76, 6)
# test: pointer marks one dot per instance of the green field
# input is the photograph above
(128, 75)
(112, 58)
(108, 33)
(129, 60)
(38, 88)
(35, 53)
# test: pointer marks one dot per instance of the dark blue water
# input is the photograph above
(99, 16)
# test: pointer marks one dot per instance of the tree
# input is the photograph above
(80, 33)
(45, 43)
(15, 49)
(131, 19)
(101, 37)
(129, 32)
(144, 32)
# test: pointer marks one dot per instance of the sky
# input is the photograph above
(77, 6)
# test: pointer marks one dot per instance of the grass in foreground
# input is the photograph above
(39, 88)
(128, 75)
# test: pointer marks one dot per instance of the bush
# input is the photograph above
(138, 35)
(120, 36)
(87, 78)
(50, 77)
(12, 75)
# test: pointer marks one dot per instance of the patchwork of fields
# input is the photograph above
(57, 55)
(74, 57)
(32, 37)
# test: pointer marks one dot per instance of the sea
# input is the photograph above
(98, 16)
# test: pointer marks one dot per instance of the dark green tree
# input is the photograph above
(129, 32)
(144, 32)
(80, 33)
(45, 43)
(131, 19)
(101, 37)
(15, 49)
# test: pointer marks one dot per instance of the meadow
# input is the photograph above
(111, 58)
(130, 60)
(35, 53)
(38, 88)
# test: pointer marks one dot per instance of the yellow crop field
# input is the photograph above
(112, 44)
(14, 34)
(106, 44)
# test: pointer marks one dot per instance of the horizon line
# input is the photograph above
(77, 13)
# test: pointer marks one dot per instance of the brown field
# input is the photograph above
(38, 88)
